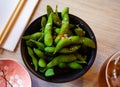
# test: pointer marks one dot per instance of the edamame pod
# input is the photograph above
(80, 57)
(61, 58)
(49, 10)
(42, 62)
(76, 39)
(57, 30)
(39, 53)
(48, 39)
(43, 21)
(80, 32)
(64, 27)
(34, 59)
(65, 24)
(62, 65)
(29, 43)
(57, 39)
(38, 44)
(49, 72)
(34, 36)
(62, 43)
(68, 41)
(49, 49)
(75, 65)
(64, 11)
(88, 42)
(56, 19)
(70, 49)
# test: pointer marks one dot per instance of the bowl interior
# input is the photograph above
(63, 75)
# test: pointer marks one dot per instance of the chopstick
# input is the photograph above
(11, 21)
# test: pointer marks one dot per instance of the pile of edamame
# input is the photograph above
(58, 44)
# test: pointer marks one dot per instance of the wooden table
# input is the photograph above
(103, 16)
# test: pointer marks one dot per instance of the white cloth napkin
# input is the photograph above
(19, 26)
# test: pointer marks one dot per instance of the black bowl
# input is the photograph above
(63, 75)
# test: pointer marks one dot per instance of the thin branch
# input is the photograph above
(4, 77)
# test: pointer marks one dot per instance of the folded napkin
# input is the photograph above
(20, 23)
(9, 11)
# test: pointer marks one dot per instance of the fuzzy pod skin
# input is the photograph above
(42, 62)
(34, 36)
(70, 49)
(34, 59)
(61, 58)
(62, 43)
(38, 52)
(48, 39)
(49, 72)
(75, 65)
(88, 42)
(39, 45)
(68, 41)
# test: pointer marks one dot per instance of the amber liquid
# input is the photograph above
(114, 82)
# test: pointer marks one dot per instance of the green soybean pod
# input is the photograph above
(29, 43)
(75, 65)
(38, 44)
(76, 39)
(79, 31)
(68, 41)
(34, 36)
(34, 59)
(61, 58)
(48, 39)
(80, 57)
(64, 11)
(65, 24)
(62, 43)
(56, 20)
(56, 10)
(70, 49)
(42, 62)
(38, 52)
(57, 30)
(49, 10)
(88, 42)
(43, 21)
(49, 49)
(49, 72)
(57, 39)
(62, 65)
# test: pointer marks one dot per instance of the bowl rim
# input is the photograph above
(86, 68)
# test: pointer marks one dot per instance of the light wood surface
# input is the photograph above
(103, 16)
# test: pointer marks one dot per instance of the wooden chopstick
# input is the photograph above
(11, 21)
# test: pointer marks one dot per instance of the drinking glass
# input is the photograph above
(109, 75)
